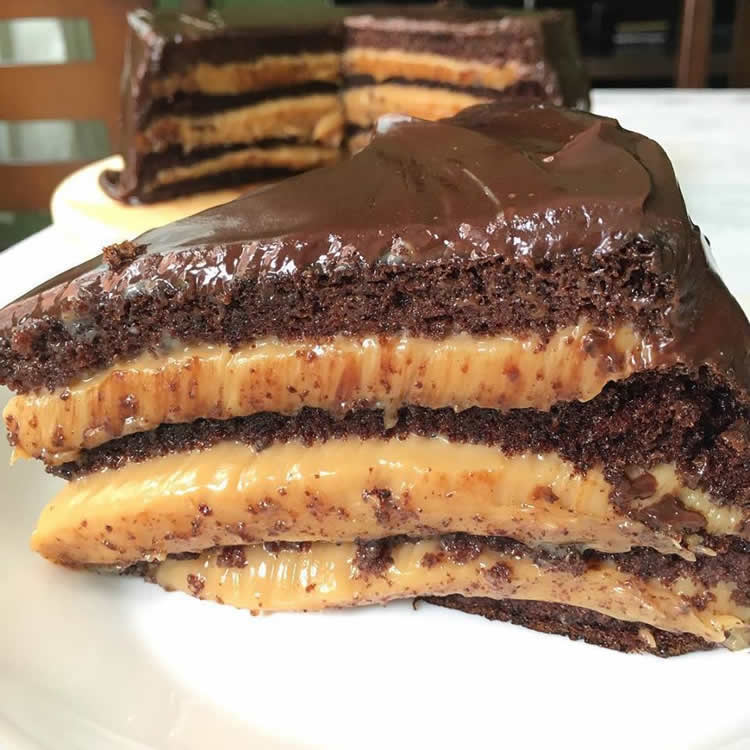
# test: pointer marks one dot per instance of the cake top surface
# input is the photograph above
(526, 182)
(266, 18)
(511, 179)
(439, 19)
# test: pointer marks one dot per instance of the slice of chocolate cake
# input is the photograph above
(252, 94)
(227, 98)
(434, 62)
(464, 363)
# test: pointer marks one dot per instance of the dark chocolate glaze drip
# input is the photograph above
(528, 183)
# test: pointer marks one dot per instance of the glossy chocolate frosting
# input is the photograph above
(531, 184)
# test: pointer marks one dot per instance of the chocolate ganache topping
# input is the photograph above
(531, 184)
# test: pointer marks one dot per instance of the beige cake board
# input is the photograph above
(81, 209)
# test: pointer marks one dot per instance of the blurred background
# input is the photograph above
(60, 63)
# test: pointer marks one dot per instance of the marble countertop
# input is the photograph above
(704, 133)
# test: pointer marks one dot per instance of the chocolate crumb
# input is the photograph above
(461, 548)
(129, 404)
(195, 583)
(275, 547)
(431, 559)
(702, 600)
(119, 255)
(544, 494)
(499, 574)
(374, 558)
(205, 509)
(644, 485)
(232, 557)
(389, 511)
(669, 514)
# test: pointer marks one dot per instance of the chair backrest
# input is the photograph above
(37, 94)
(739, 75)
(694, 55)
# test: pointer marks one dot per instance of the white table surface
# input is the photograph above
(704, 133)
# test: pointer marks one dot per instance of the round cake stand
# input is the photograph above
(81, 209)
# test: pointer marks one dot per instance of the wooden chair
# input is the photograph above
(84, 90)
(694, 56)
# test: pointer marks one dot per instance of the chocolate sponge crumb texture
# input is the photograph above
(255, 94)
(501, 382)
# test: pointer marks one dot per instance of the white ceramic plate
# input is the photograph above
(96, 662)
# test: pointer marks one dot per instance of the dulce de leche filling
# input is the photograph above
(382, 64)
(294, 157)
(328, 575)
(341, 490)
(460, 371)
(267, 72)
(316, 118)
(364, 104)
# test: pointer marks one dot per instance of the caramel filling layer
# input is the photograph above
(382, 64)
(340, 490)
(268, 72)
(461, 371)
(364, 104)
(328, 575)
(296, 157)
(316, 118)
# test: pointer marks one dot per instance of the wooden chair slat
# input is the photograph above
(74, 91)
(694, 58)
(739, 74)
(63, 8)
(22, 187)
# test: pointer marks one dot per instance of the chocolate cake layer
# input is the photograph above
(650, 418)
(173, 41)
(706, 599)
(578, 624)
(310, 118)
(204, 104)
(280, 154)
(336, 374)
(655, 461)
(398, 239)
(249, 176)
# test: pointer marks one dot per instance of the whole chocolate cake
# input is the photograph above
(466, 365)
(252, 94)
